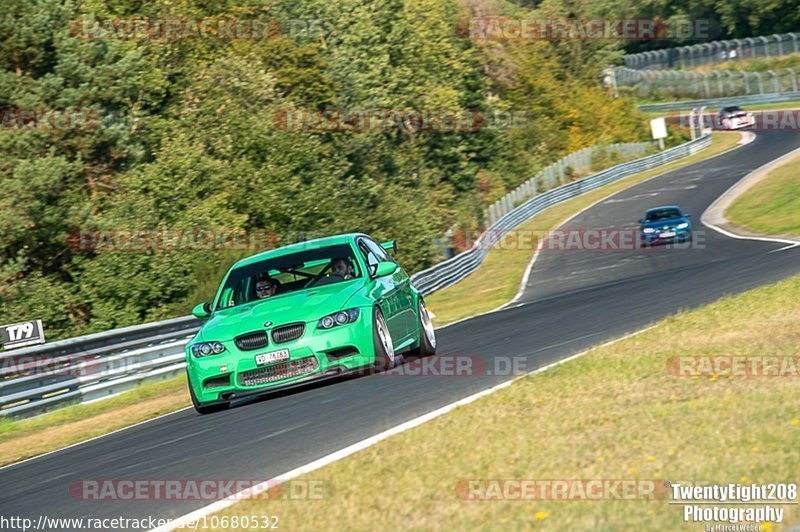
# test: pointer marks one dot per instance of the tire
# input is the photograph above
(385, 357)
(204, 409)
(427, 334)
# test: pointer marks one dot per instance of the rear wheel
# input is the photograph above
(385, 357)
(200, 407)
(427, 334)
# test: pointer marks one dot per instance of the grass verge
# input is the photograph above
(616, 413)
(72, 424)
(497, 280)
(65, 426)
(771, 206)
(757, 107)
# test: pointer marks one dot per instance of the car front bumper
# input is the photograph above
(655, 238)
(318, 354)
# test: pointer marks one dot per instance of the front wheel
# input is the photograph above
(427, 334)
(199, 407)
(385, 357)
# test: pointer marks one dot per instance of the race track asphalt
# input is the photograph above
(574, 299)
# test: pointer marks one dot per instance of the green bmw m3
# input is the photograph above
(304, 312)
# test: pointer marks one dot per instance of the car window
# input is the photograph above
(378, 250)
(290, 273)
(369, 255)
(662, 214)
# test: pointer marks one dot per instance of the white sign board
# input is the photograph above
(22, 334)
(659, 128)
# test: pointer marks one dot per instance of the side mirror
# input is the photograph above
(687, 215)
(385, 268)
(390, 246)
(641, 221)
(203, 310)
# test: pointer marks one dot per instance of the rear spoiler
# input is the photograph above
(391, 245)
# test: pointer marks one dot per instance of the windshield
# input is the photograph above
(289, 273)
(662, 214)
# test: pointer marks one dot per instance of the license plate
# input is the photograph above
(275, 356)
(668, 234)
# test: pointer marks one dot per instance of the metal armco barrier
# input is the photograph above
(37, 379)
(556, 173)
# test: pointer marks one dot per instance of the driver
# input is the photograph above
(343, 268)
(266, 287)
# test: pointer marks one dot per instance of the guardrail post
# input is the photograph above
(793, 73)
(760, 82)
(779, 40)
(507, 204)
(775, 85)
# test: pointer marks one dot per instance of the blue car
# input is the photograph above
(665, 224)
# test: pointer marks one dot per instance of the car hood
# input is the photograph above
(304, 305)
(664, 223)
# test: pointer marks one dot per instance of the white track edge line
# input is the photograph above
(766, 167)
(93, 438)
(529, 269)
(222, 504)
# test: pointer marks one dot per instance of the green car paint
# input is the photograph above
(250, 345)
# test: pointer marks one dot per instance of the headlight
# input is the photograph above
(343, 317)
(683, 225)
(204, 349)
(648, 230)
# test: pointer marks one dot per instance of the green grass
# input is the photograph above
(498, 278)
(771, 206)
(753, 64)
(65, 426)
(616, 413)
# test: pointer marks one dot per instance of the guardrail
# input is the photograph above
(714, 52)
(457, 268)
(556, 173)
(755, 99)
(37, 379)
